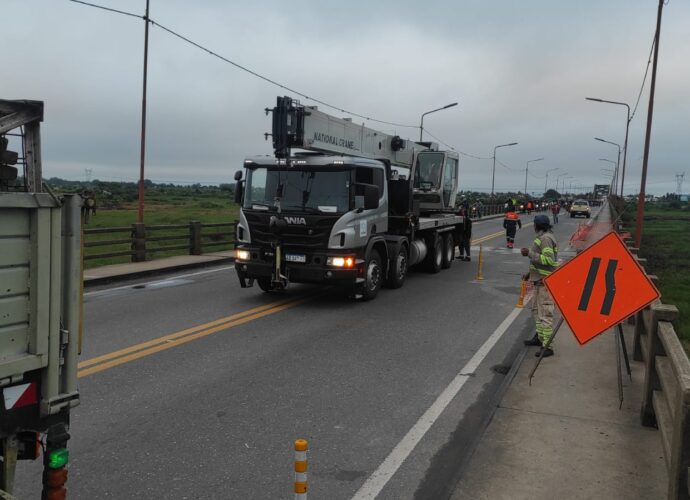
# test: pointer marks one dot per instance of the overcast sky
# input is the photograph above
(520, 71)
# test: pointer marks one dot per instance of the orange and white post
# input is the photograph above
(480, 275)
(301, 486)
(523, 292)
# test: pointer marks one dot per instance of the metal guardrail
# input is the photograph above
(194, 237)
(666, 390)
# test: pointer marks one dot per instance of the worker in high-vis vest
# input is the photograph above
(543, 259)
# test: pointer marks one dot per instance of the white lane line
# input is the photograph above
(378, 480)
(108, 290)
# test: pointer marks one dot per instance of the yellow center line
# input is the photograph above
(482, 239)
(147, 348)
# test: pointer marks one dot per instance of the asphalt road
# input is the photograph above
(194, 388)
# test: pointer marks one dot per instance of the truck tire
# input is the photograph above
(397, 270)
(448, 251)
(434, 256)
(373, 276)
(266, 285)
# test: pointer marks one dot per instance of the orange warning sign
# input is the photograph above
(600, 288)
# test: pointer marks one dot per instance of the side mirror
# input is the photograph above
(371, 197)
(239, 189)
(238, 175)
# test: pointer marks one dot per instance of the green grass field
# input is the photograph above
(666, 246)
(162, 209)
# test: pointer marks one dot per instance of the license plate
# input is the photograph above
(295, 257)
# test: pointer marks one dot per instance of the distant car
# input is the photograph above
(580, 207)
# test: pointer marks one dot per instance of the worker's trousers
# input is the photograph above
(542, 311)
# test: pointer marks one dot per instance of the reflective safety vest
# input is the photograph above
(543, 256)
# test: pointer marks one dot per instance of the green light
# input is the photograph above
(58, 458)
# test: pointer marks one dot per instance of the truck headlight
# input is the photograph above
(347, 262)
(242, 254)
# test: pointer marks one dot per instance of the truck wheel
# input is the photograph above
(448, 251)
(373, 277)
(266, 285)
(397, 271)
(434, 257)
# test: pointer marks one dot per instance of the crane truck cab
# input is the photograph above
(352, 207)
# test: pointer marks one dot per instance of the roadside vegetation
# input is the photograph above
(116, 204)
(665, 245)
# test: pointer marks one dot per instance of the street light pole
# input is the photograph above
(615, 177)
(527, 171)
(625, 144)
(493, 173)
(421, 123)
(546, 182)
(558, 179)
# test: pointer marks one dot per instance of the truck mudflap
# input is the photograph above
(245, 281)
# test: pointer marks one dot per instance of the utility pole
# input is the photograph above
(648, 133)
(140, 214)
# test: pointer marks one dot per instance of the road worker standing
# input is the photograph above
(511, 222)
(543, 258)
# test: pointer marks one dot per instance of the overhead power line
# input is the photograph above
(505, 166)
(244, 68)
(453, 148)
(644, 79)
(109, 9)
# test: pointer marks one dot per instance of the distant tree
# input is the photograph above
(552, 194)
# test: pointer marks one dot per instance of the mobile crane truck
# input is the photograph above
(40, 305)
(354, 207)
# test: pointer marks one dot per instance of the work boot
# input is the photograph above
(534, 341)
(547, 352)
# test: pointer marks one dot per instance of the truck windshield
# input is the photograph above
(322, 191)
(427, 174)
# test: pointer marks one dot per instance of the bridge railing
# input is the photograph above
(140, 242)
(666, 390)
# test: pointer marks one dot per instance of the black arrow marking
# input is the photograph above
(610, 287)
(589, 284)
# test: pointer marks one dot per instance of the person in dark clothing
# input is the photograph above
(511, 222)
(465, 237)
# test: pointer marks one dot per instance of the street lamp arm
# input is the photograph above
(493, 172)
(439, 109)
(421, 123)
(627, 126)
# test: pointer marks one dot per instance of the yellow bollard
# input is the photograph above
(480, 276)
(301, 447)
(523, 291)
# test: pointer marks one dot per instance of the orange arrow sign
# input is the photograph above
(600, 288)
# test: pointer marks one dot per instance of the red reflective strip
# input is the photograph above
(29, 397)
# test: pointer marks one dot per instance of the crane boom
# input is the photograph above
(305, 127)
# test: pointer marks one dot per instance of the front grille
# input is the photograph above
(313, 235)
